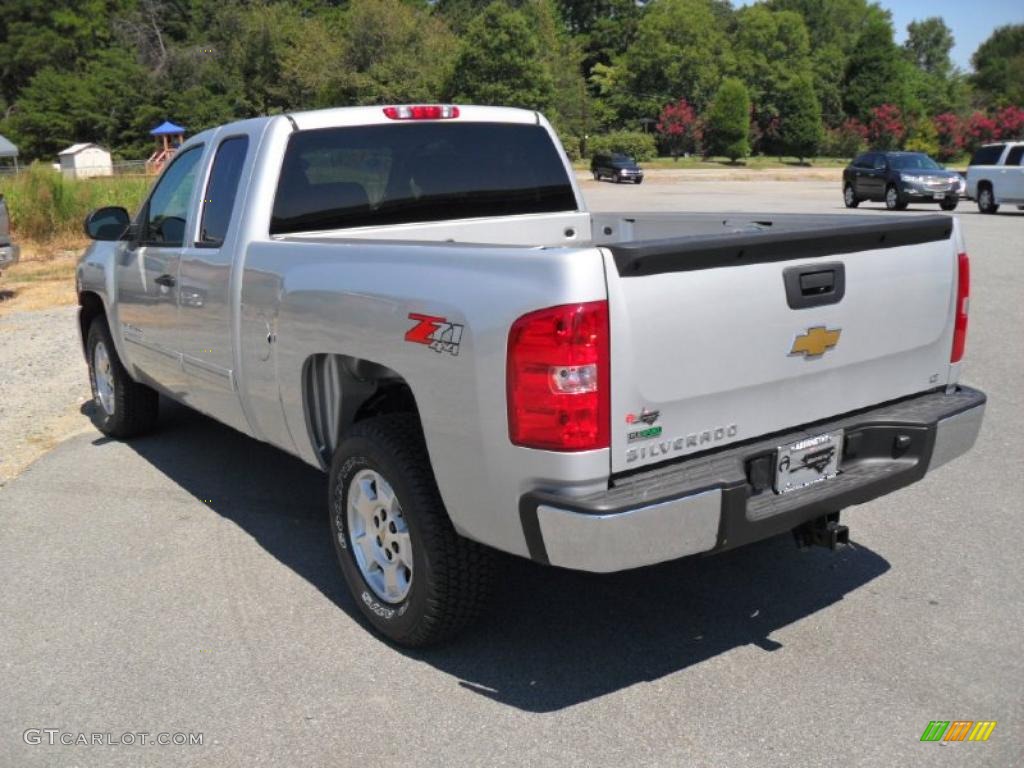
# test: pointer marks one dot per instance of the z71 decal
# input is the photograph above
(436, 332)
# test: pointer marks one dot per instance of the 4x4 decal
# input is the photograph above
(436, 332)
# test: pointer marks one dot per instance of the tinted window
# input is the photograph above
(988, 155)
(913, 162)
(878, 162)
(221, 190)
(395, 174)
(1015, 155)
(863, 161)
(167, 210)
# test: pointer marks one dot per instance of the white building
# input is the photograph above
(79, 161)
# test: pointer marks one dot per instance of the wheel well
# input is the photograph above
(91, 307)
(339, 391)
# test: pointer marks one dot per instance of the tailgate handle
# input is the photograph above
(814, 285)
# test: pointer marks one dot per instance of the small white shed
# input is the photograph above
(80, 161)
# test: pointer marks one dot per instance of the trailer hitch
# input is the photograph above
(824, 531)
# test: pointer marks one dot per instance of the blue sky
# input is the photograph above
(971, 22)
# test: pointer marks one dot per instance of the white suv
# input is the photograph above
(996, 176)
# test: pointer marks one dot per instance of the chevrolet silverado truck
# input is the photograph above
(415, 300)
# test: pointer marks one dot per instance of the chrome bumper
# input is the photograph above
(709, 503)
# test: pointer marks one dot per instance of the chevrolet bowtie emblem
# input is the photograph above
(816, 342)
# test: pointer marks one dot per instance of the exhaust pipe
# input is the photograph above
(824, 531)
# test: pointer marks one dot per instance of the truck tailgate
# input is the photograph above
(721, 338)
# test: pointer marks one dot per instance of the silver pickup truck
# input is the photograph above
(416, 300)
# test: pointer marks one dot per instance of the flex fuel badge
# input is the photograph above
(644, 434)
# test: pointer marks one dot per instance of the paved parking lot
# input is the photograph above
(185, 583)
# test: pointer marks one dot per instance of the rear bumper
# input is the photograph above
(708, 503)
(9, 255)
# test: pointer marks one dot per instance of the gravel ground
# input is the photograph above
(44, 383)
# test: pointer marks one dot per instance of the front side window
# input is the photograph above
(375, 175)
(988, 155)
(221, 190)
(1015, 156)
(167, 210)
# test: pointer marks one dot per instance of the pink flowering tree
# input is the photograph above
(979, 129)
(950, 129)
(1010, 122)
(679, 128)
(886, 129)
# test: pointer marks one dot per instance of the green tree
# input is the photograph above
(800, 128)
(393, 52)
(771, 48)
(929, 44)
(727, 121)
(999, 66)
(875, 70)
(499, 62)
(681, 51)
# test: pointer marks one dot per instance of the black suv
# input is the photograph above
(617, 167)
(900, 178)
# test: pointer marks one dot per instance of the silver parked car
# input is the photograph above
(9, 252)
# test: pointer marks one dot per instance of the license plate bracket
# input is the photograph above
(808, 461)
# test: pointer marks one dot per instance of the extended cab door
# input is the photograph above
(147, 274)
(205, 289)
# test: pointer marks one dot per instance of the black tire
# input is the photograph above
(987, 199)
(894, 202)
(949, 204)
(597, 176)
(638, 181)
(850, 199)
(134, 408)
(451, 576)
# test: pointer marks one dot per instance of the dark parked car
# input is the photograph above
(900, 178)
(617, 167)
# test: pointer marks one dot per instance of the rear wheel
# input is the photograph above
(986, 200)
(413, 577)
(849, 197)
(893, 201)
(949, 204)
(124, 408)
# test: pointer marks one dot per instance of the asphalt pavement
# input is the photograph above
(184, 583)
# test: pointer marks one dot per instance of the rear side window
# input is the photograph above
(988, 155)
(336, 178)
(221, 190)
(1015, 155)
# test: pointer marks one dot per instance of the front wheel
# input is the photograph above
(893, 201)
(413, 577)
(849, 197)
(949, 204)
(124, 408)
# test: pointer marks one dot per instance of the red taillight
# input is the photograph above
(558, 390)
(422, 112)
(963, 299)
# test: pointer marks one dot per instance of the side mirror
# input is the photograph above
(107, 223)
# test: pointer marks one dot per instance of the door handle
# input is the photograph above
(814, 285)
(167, 281)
